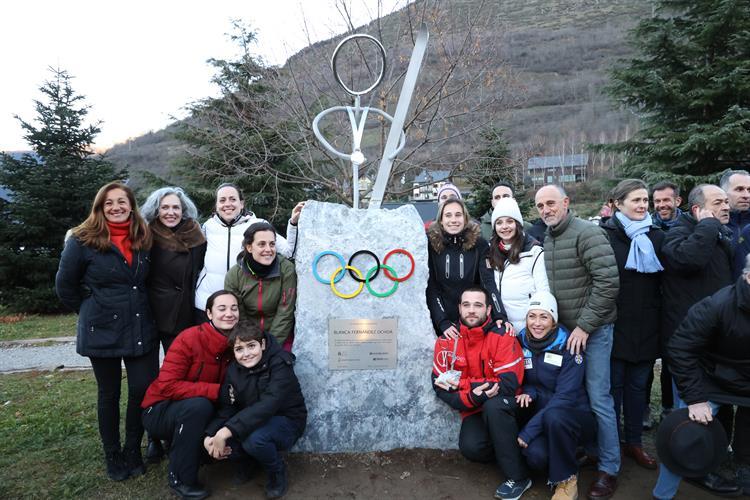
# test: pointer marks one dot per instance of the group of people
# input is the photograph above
(220, 298)
(546, 332)
(592, 306)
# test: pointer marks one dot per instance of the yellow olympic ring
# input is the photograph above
(353, 294)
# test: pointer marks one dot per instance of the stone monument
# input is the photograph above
(366, 409)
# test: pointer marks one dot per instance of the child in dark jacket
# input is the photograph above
(261, 407)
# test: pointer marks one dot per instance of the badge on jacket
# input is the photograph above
(232, 398)
(552, 358)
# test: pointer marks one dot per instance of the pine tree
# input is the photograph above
(229, 139)
(51, 192)
(690, 85)
(492, 165)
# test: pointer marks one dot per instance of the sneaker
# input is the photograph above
(512, 490)
(566, 490)
(277, 483)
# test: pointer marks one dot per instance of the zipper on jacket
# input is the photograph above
(447, 266)
(461, 266)
(260, 302)
(229, 244)
(198, 375)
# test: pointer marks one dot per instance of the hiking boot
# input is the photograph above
(566, 490)
(277, 483)
(154, 451)
(115, 465)
(187, 491)
(512, 490)
(133, 461)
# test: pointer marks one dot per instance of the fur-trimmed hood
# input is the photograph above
(439, 239)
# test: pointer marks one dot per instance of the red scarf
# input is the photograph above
(503, 247)
(119, 235)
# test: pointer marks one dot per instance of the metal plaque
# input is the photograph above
(362, 344)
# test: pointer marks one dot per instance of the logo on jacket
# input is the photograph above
(232, 398)
(578, 359)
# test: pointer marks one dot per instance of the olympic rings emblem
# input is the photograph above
(356, 274)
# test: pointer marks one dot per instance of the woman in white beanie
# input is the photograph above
(553, 402)
(514, 269)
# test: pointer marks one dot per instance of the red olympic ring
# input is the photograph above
(403, 252)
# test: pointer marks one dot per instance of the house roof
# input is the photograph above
(540, 162)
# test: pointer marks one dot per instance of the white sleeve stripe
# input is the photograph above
(520, 358)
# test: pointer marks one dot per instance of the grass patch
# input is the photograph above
(34, 326)
(51, 446)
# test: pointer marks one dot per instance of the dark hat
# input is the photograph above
(689, 448)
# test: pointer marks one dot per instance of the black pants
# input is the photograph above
(492, 435)
(183, 423)
(555, 449)
(199, 316)
(141, 371)
(166, 340)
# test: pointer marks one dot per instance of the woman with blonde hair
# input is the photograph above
(102, 276)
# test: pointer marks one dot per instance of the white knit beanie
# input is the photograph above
(449, 187)
(545, 301)
(507, 207)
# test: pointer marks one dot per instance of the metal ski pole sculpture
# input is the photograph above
(358, 116)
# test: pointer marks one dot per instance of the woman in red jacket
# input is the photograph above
(180, 402)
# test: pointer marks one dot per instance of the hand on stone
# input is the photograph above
(523, 400)
(296, 211)
(701, 413)
(522, 443)
(577, 341)
(451, 332)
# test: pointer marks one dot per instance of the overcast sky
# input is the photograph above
(139, 62)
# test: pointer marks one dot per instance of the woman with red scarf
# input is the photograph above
(102, 276)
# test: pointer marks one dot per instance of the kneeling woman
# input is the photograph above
(179, 403)
(559, 417)
(261, 407)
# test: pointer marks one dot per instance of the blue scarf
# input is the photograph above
(642, 257)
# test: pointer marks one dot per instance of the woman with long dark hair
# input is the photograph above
(515, 263)
(455, 252)
(102, 276)
(266, 284)
(637, 243)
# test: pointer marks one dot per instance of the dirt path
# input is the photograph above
(411, 474)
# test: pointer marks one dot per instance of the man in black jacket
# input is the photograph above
(710, 360)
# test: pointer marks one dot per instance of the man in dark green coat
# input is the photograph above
(583, 277)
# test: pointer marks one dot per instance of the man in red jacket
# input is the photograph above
(478, 374)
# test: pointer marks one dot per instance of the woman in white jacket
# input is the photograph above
(224, 233)
(515, 263)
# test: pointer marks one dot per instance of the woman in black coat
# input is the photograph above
(102, 276)
(637, 247)
(455, 252)
(176, 260)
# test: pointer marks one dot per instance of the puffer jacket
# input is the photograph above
(271, 300)
(224, 244)
(454, 263)
(709, 354)
(194, 366)
(582, 273)
(638, 326)
(483, 353)
(111, 299)
(517, 282)
(249, 397)
(698, 261)
(553, 378)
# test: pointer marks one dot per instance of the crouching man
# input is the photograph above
(478, 374)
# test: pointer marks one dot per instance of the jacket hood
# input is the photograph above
(439, 240)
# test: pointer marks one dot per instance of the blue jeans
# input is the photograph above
(629, 390)
(668, 482)
(598, 352)
(263, 444)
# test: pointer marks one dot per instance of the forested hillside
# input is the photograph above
(544, 63)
